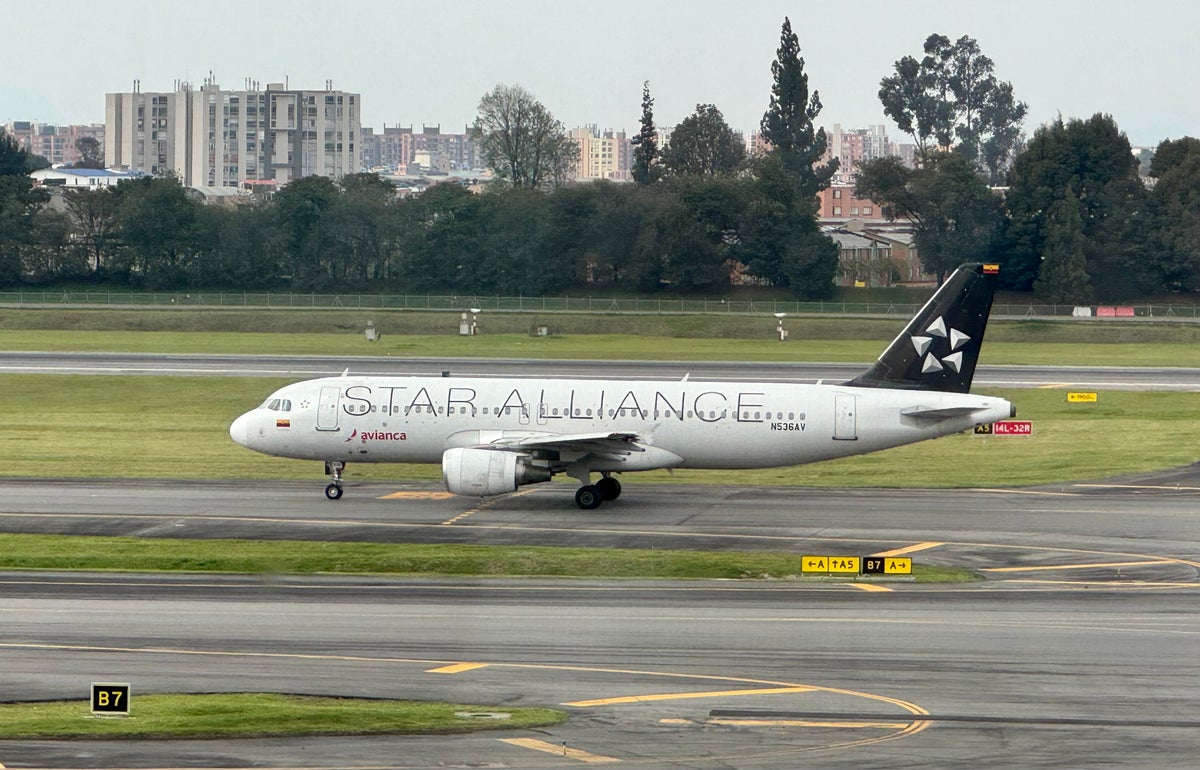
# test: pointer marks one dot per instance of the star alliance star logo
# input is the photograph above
(924, 343)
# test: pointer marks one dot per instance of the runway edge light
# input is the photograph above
(110, 698)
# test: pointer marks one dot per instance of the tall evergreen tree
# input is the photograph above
(645, 144)
(788, 122)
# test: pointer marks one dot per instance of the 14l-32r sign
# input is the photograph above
(1005, 428)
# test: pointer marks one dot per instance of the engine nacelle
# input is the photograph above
(483, 472)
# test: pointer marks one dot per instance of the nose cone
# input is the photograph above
(239, 430)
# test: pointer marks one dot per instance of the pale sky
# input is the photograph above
(430, 62)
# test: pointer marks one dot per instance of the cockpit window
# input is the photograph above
(278, 405)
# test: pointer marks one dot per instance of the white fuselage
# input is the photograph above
(698, 424)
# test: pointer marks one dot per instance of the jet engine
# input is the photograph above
(484, 472)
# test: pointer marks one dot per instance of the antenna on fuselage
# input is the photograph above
(685, 376)
(346, 372)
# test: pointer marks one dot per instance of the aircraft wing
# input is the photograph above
(592, 443)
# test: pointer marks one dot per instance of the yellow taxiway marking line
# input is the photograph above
(908, 549)
(417, 495)
(870, 587)
(1082, 566)
(1034, 492)
(457, 668)
(791, 723)
(483, 505)
(560, 750)
(1167, 487)
(686, 696)
(1123, 584)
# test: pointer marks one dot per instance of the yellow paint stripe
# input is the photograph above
(561, 750)
(457, 668)
(1168, 487)
(1081, 566)
(685, 696)
(875, 587)
(908, 549)
(417, 495)
(808, 723)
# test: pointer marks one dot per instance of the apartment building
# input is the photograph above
(602, 154)
(211, 137)
(54, 143)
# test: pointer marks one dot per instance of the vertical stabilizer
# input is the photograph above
(940, 346)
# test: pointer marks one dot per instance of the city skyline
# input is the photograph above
(586, 63)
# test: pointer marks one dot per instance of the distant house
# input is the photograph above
(876, 255)
(81, 178)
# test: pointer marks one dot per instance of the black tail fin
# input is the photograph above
(939, 347)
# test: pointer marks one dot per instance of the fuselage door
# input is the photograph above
(327, 407)
(845, 419)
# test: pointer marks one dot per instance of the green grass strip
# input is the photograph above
(69, 552)
(259, 715)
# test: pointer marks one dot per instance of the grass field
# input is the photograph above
(57, 552)
(259, 715)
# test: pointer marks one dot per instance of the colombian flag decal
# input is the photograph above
(283, 423)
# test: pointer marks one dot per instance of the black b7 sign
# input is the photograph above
(108, 698)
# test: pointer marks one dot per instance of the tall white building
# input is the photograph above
(215, 138)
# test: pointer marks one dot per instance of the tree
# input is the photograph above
(951, 98)
(958, 219)
(703, 144)
(1176, 206)
(15, 160)
(778, 236)
(1170, 154)
(1063, 277)
(1093, 160)
(788, 122)
(521, 141)
(91, 152)
(645, 144)
(302, 208)
(157, 221)
(364, 228)
(94, 215)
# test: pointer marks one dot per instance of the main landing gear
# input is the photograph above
(589, 496)
(333, 469)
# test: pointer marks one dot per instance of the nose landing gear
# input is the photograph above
(333, 469)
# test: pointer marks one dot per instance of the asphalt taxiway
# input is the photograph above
(1075, 650)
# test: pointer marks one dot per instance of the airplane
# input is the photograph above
(495, 434)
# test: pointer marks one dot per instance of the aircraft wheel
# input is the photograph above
(333, 492)
(588, 497)
(610, 488)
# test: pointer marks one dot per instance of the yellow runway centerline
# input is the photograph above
(560, 750)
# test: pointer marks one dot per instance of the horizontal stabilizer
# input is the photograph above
(944, 413)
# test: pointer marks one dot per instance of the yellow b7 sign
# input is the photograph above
(108, 698)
